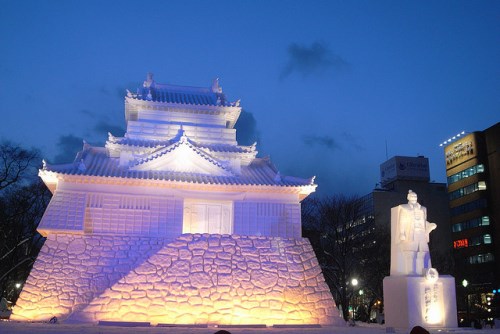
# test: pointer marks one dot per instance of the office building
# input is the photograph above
(473, 176)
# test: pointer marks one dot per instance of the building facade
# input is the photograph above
(473, 176)
(175, 223)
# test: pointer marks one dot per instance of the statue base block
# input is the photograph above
(416, 301)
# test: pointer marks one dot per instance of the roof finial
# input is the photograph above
(149, 83)
(81, 166)
(277, 177)
(183, 138)
(216, 88)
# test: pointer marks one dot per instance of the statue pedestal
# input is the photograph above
(416, 301)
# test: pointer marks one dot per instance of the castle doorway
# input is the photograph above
(202, 216)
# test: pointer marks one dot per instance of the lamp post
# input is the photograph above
(354, 283)
(465, 283)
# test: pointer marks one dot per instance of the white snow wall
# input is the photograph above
(196, 278)
(159, 216)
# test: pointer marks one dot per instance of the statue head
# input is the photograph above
(412, 197)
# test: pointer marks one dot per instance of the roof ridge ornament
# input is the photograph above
(184, 138)
(216, 88)
(81, 166)
(149, 82)
(277, 177)
(86, 146)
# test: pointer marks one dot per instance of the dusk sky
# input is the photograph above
(329, 88)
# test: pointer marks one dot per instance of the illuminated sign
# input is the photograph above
(461, 243)
(460, 150)
(404, 168)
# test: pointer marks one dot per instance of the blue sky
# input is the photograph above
(327, 86)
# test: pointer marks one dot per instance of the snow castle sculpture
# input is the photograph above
(175, 223)
(414, 293)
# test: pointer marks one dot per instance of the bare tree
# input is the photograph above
(348, 245)
(17, 164)
(23, 199)
(375, 265)
(339, 225)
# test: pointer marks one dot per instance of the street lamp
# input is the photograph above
(465, 283)
(354, 283)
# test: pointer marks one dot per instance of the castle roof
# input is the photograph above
(156, 92)
(95, 162)
(148, 143)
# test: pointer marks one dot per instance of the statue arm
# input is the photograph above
(429, 227)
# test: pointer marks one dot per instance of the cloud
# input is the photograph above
(103, 126)
(246, 129)
(87, 112)
(68, 146)
(353, 141)
(344, 140)
(104, 90)
(325, 141)
(314, 59)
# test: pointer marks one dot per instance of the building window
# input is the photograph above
(468, 207)
(481, 185)
(468, 224)
(480, 240)
(484, 239)
(481, 258)
(465, 173)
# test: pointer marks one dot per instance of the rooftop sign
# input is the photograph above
(404, 168)
(460, 150)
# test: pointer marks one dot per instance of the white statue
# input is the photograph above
(410, 229)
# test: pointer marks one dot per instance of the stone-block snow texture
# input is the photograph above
(193, 279)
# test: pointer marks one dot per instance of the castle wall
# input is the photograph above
(267, 219)
(94, 212)
(112, 211)
(158, 131)
(196, 278)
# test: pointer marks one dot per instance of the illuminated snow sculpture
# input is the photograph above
(414, 293)
(175, 223)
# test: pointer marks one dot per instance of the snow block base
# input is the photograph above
(193, 279)
(415, 301)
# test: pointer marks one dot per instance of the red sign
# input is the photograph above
(461, 243)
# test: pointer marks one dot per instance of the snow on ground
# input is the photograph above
(10, 327)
